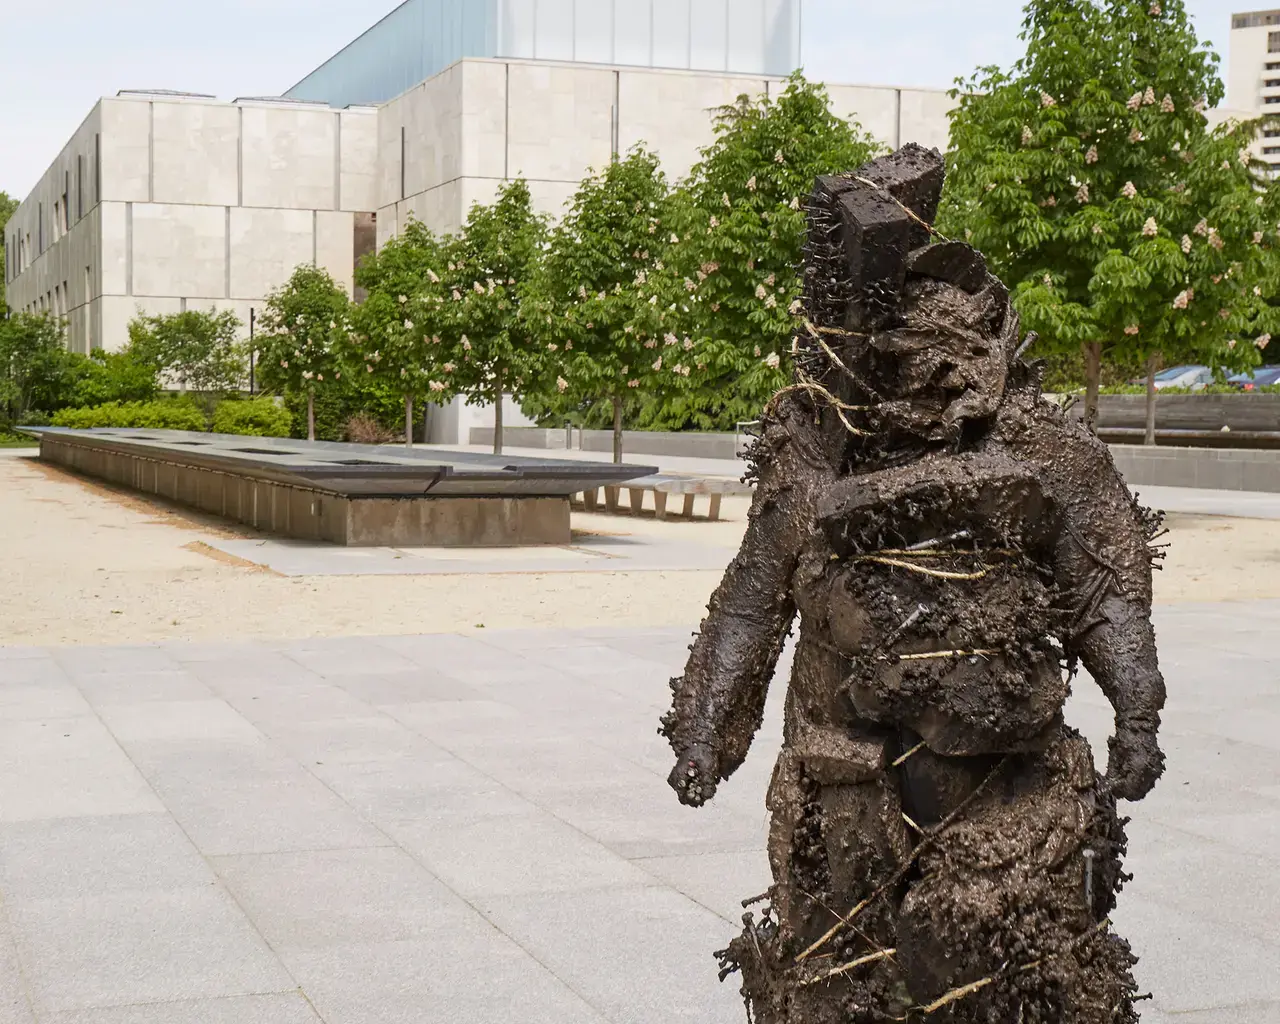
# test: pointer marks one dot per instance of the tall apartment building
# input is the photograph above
(1253, 75)
(165, 201)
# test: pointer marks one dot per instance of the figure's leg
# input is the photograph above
(1005, 917)
(831, 848)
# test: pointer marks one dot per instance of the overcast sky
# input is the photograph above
(53, 69)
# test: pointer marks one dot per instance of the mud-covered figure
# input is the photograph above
(942, 846)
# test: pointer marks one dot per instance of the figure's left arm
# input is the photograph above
(1102, 565)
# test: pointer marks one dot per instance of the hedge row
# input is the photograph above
(259, 417)
(149, 415)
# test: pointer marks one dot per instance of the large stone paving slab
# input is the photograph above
(465, 829)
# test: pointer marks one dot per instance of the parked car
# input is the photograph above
(1259, 376)
(1193, 377)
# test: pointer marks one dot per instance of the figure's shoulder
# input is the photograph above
(789, 452)
(1076, 468)
(1036, 429)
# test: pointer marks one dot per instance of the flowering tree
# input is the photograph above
(398, 332)
(1089, 177)
(492, 263)
(595, 306)
(304, 325)
(734, 274)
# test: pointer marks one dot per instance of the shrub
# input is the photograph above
(111, 377)
(259, 417)
(364, 429)
(340, 400)
(179, 415)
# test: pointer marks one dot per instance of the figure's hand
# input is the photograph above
(696, 774)
(1135, 762)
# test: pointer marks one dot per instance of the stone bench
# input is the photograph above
(662, 485)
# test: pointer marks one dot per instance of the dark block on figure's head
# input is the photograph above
(913, 175)
(883, 210)
(956, 263)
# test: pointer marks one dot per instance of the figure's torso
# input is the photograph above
(951, 640)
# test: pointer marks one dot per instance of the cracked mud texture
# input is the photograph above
(942, 845)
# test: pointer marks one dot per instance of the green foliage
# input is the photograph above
(197, 350)
(396, 337)
(733, 275)
(1090, 178)
(33, 365)
(179, 415)
(491, 267)
(594, 303)
(341, 399)
(104, 377)
(260, 417)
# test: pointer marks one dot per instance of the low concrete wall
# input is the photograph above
(1227, 469)
(1189, 412)
(308, 514)
(1222, 469)
(686, 444)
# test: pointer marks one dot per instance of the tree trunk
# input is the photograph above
(1153, 364)
(311, 415)
(1092, 379)
(408, 421)
(617, 429)
(497, 418)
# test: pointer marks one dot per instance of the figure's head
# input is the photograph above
(925, 328)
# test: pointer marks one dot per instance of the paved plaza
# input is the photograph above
(476, 828)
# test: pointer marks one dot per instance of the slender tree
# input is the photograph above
(733, 273)
(595, 304)
(304, 326)
(397, 331)
(1090, 178)
(493, 262)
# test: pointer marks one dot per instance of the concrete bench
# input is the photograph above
(661, 486)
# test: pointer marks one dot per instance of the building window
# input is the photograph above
(1273, 42)
(1271, 99)
(1255, 20)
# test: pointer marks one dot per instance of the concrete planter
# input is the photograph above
(684, 444)
(1189, 412)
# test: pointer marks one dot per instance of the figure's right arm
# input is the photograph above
(719, 701)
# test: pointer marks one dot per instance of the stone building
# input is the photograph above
(163, 201)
